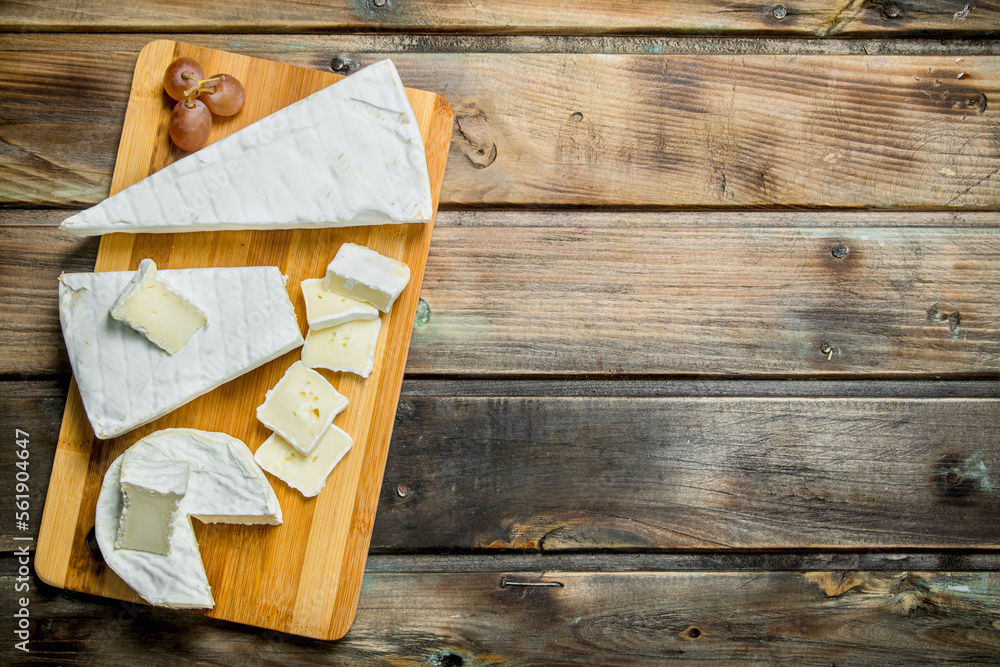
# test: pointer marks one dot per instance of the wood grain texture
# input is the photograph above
(629, 299)
(316, 557)
(714, 302)
(586, 473)
(589, 618)
(316, 50)
(677, 130)
(559, 472)
(823, 18)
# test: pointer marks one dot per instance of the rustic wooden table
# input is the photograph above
(709, 364)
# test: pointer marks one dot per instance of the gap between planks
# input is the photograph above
(623, 561)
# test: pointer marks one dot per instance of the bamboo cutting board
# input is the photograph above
(302, 577)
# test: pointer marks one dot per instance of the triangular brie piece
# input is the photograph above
(125, 381)
(225, 485)
(350, 154)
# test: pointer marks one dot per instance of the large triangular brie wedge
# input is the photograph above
(225, 485)
(350, 154)
(126, 381)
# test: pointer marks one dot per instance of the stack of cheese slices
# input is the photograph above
(143, 343)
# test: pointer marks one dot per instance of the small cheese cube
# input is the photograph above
(151, 492)
(348, 347)
(164, 316)
(326, 309)
(362, 273)
(301, 407)
(306, 473)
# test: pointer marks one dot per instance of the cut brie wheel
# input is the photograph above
(225, 485)
(125, 381)
(350, 154)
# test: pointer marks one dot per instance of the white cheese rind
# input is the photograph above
(151, 492)
(348, 347)
(362, 273)
(126, 382)
(326, 309)
(164, 316)
(301, 406)
(350, 154)
(306, 473)
(225, 485)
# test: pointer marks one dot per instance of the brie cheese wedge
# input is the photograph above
(326, 309)
(301, 407)
(225, 485)
(348, 347)
(350, 154)
(163, 316)
(305, 473)
(126, 382)
(362, 273)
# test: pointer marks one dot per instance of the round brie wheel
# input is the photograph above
(225, 485)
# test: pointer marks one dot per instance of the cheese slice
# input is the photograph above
(350, 154)
(348, 347)
(301, 407)
(225, 485)
(148, 305)
(151, 492)
(327, 309)
(126, 382)
(306, 473)
(362, 273)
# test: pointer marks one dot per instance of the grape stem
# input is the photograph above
(193, 92)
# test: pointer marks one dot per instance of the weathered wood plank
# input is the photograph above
(564, 473)
(613, 302)
(30, 264)
(317, 51)
(632, 219)
(804, 17)
(711, 302)
(35, 407)
(585, 129)
(589, 618)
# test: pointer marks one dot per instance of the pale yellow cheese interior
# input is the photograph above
(301, 406)
(151, 492)
(305, 472)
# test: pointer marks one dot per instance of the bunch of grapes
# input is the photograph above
(198, 98)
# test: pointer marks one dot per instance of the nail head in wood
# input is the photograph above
(839, 251)
(423, 313)
(379, 3)
(341, 65)
(891, 12)
(779, 12)
(402, 491)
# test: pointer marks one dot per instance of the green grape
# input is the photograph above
(182, 75)
(225, 96)
(190, 123)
